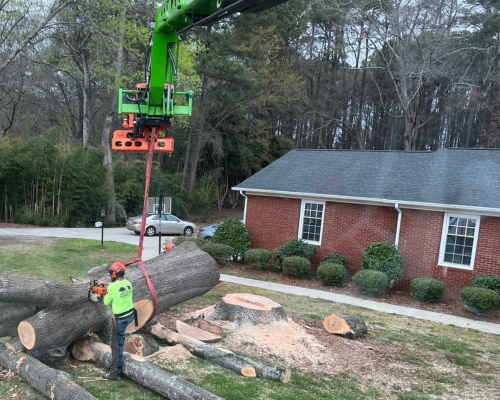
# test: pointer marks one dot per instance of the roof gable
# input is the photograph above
(457, 177)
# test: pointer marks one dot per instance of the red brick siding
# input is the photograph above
(349, 228)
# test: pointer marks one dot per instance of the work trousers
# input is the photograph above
(117, 343)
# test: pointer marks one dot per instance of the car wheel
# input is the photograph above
(188, 231)
(208, 239)
(150, 231)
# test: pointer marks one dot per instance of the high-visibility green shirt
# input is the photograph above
(120, 297)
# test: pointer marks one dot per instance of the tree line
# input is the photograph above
(330, 74)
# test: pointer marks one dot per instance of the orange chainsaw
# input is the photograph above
(96, 291)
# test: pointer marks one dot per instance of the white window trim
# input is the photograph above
(444, 234)
(301, 221)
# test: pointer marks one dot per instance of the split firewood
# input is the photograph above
(144, 373)
(225, 358)
(49, 382)
(349, 326)
(178, 276)
(208, 327)
(246, 308)
(141, 345)
(196, 333)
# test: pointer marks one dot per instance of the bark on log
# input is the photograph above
(141, 345)
(242, 365)
(10, 316)
(349, 326)
(246, 308)
(177, 276)
(49, 382)
(144, 373)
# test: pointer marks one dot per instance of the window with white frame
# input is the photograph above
(459, 240)
(311, 221)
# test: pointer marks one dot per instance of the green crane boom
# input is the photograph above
(153, 103)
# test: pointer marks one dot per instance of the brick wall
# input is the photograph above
(349, 228)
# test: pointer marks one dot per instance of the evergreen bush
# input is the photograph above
(427, 289)
(257, 258)
(221, 253)
(480, 298)
(370, 282)
(487, 281)
(181, 239)
(331, 274)
(294, 247)
(384, 257)
(233, 232)
(337, 259)
(296, 266)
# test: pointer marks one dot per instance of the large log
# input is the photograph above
(348, 326)
(246, 308)
(241, 365)
(10, 316)
(144, 373)
(49, 382)
(177, 276)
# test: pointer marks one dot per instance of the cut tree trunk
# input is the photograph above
(349, 326)
(208, 327)
(196, 333)
(224, 358)
(178, 276)
(11, 315)
(50, 382)
(144, 373)
(141, 345)
(246, 308)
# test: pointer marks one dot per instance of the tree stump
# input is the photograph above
(349, 326)
(246, 308)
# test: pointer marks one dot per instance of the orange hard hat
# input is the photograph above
(116, 268)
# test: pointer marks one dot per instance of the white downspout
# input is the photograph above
(245, 208)
(398, 228)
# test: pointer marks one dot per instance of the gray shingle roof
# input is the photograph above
(458, 177)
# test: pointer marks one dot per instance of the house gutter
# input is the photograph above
(398, 227)
(245, 207)
(486, 211)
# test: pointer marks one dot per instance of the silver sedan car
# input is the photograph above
(168, 225)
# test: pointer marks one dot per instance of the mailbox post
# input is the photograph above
(103, 214)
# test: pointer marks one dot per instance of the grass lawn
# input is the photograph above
(400, 358)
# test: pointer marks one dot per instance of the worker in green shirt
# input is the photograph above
(119, 295)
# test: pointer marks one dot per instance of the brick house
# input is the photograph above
(442, 208)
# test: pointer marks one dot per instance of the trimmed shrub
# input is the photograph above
(370, 282)
(181, 239)
(427, 290)
(331, 274)
(234, 233)
(221, 253)
(384, 257)
(296, 266)
(257, 258)
(294, 247)
(480, 299)
(337, 259)
(487, 281)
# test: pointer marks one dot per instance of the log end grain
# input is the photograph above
(248, 372)
(27, 334)
(145, 310)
